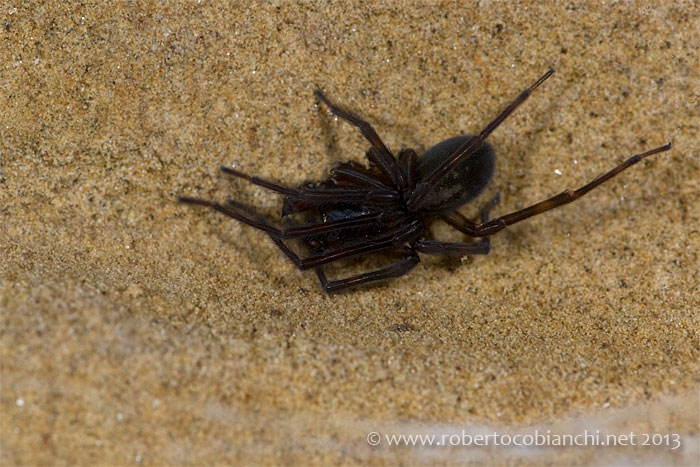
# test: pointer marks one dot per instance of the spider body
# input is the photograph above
(461, 185)
(387, 206)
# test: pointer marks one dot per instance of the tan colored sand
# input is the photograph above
(136, 330)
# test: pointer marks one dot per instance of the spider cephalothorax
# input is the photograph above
(387, 206)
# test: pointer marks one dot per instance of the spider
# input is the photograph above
(387, 206)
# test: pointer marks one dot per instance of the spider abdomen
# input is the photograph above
(463, 183)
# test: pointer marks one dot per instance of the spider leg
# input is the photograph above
(440, 248)
(429, 182)
(408, 159)
(364, 220)
(382, 157)
(397, 269)
(374, 196)
(397, 236)
(358, 176)
(260, 182)
(382, 195)
(258, 223)
(461, 223)
(274, 236)
(491, 227)
(257, 220)
(287, 251)
(486, 210)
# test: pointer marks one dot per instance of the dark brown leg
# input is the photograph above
(396, 269)
(258, 223)
(384, 159)
(261, 182)
(287, 251)
(357, 175)
(463, 224)
(486, 210)
(391, 238)
(408, 159)
(254, 219)
(272, 232)
(427, 184)
(383, 195)
(439, 248)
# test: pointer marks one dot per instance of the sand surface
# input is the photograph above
(138, 330)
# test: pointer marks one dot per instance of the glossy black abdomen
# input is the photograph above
(464, 183)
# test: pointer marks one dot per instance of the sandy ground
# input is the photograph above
(138, 330)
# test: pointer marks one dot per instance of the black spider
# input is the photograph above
(388, 206)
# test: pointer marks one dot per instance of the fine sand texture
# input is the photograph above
(137, 330)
